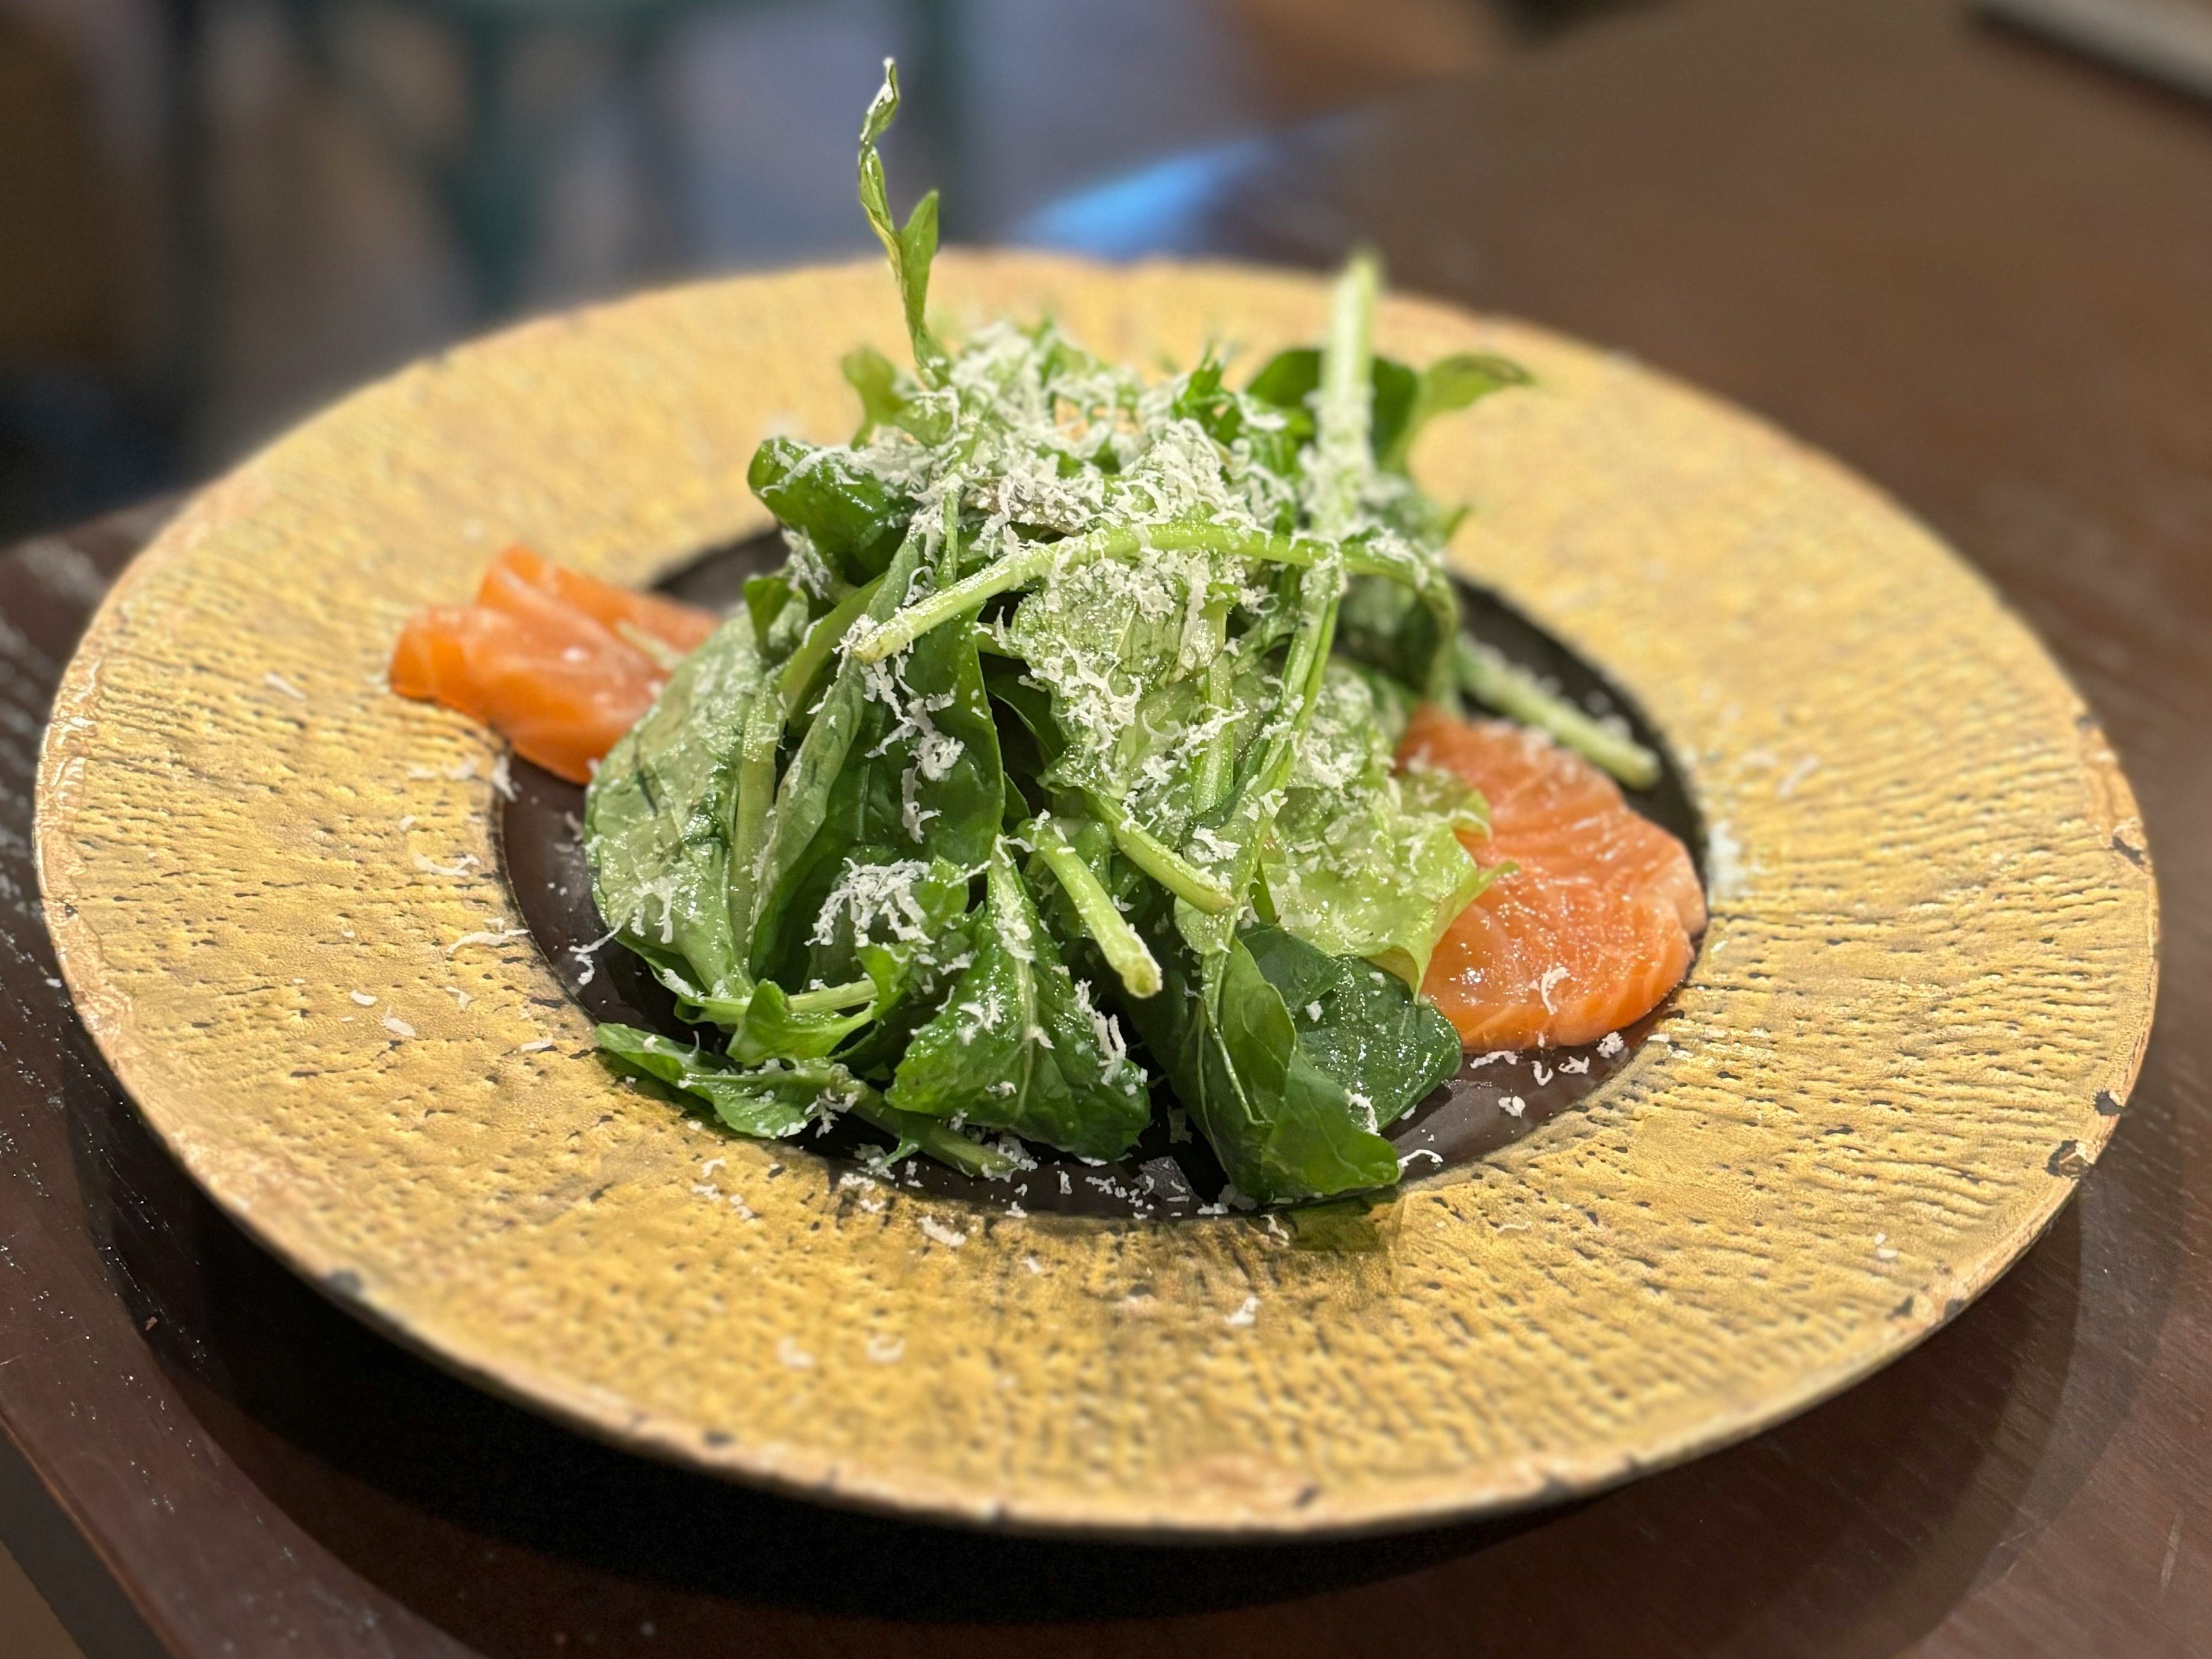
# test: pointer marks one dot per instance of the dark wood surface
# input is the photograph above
(1978, 271)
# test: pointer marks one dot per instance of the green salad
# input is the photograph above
(1049, 782)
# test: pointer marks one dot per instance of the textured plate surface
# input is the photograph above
(1925, 993)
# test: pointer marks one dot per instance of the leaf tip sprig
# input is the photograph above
(911, 247)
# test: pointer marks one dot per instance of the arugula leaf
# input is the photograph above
(1387, 1045)
(1448, 384)
(1291, 378)
(1404, 401)
(1283, 1127)
(890, 398)
(771, 1105)
(1018, 1044)
(657, 826)
(1385, 625)
(910, 249)
(1034, 742)
(876, 378)
(911, 987)
(1288, 378)
(885, 918)
(905, 928)
(776, 1030)
(779, 1099)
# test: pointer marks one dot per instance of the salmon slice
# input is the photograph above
(559, 665)
(1592, 927)
(643, 620)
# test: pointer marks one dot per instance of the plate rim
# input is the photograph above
(94, 989)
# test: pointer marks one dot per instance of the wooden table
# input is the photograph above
(1976, 269)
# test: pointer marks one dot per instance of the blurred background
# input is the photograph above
(216, 215)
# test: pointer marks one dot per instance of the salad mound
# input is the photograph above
(1056, 762)
(1055, 776)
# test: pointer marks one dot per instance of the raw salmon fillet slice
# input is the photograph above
(1594, 925)
(559, 665)
(641, 620)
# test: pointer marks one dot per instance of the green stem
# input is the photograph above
(831, 999)
(1344, 403)
(1125, 952)
(1304, 666)
(1218, 764)
(1443, 608)
(773, 707)
(1017, 569)
(1026, 563)
(938, 1139)
(1161, 862)
(1493, 682)
(934, 1136)
(1252, 810)
(749, 816)
(814, 650)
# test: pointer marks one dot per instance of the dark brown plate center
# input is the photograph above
(1494, 1100)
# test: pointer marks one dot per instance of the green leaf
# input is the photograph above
(906, 928)
(774, 1029)
(891, 398)
(769, 1105)
(779, 1099)
(1364, 1027)
(1404, 402)
(910, 249)
(1397, 394)
(1018, 1044)
(802, 795)
(876, 378)
(885, 917)
(1448, 384)
(1288, 378)
(1384, 625)
(854, 519)
(1359, 861)
(1283, 1128)
(657, 824)
(1035, 736)
(1291, 378)
(917, 776)
(779, 613)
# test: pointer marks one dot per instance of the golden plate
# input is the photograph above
(1922, 1000)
